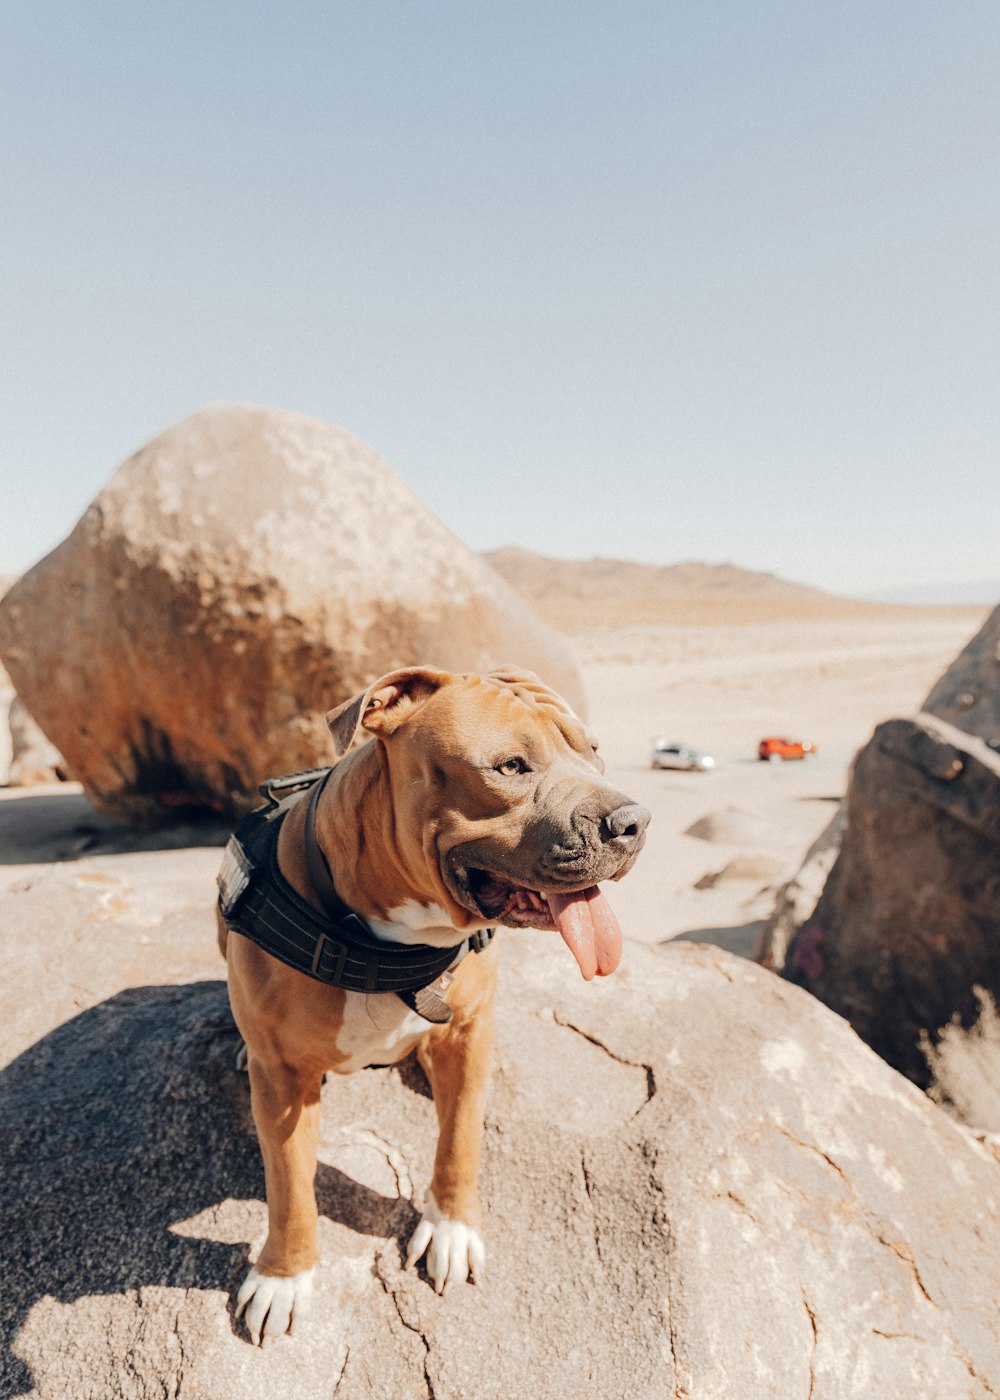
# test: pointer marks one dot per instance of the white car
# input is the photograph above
(681, 756)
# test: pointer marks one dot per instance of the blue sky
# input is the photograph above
(697, 280)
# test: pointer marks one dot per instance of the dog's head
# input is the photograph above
(499, 803)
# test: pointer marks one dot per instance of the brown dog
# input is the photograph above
(481, 802)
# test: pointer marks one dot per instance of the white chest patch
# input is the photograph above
(377, 1030)
(417, 923)
(380, 1029)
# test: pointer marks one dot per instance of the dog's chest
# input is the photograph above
(376, 1030)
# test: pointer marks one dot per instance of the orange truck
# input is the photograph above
(773, 747)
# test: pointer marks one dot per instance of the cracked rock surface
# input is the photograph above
(697, 1183)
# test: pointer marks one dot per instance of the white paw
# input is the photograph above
(454, 1250)
(273, 1306)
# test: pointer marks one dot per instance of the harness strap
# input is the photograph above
(316, 863)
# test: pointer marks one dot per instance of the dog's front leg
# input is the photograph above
(457, 1059)
(276, 1293)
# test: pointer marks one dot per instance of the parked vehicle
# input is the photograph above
(773, 748)
(682, 757)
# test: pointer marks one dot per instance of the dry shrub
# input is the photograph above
(965, 1067)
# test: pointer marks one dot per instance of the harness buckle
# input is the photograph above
(339, 948)
(289, 783)
(482, 938)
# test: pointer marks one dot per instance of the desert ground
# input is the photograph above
(720, 686)
(716, 679)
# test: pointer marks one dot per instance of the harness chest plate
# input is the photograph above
(257, 901)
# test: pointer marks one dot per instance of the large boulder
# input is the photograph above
(892, 918)
(241, 574)
(904, 937)
(697, 1182)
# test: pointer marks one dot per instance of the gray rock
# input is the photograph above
(240, 575)
(758, 867)
(968, 694)
(906, 928)
(33, 758)
(731, 827)
(796, 901)
(697, 1182)
(6, 696)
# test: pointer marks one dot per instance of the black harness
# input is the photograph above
(336, 946)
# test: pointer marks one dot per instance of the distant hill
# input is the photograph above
(538, 578)
(577, 595)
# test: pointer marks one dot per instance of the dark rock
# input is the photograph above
(907, 926)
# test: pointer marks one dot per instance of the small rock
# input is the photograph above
(742, 868)
(731, 827)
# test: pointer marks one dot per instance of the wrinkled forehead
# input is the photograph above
(501, 707)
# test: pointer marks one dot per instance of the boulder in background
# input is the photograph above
(240, 575)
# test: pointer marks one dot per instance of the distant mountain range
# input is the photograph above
(539, 578)
(577, 595)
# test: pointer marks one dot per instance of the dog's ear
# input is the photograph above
(383, 707)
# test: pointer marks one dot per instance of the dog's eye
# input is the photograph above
(510, 767)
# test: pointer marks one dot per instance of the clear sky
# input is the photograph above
(652, 280)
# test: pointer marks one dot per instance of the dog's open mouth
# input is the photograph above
(584, 918)
(498, 897)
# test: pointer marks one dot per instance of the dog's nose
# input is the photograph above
(626, 825)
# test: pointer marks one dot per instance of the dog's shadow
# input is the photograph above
(119, 1125)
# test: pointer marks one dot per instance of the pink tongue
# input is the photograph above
(589, 929)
